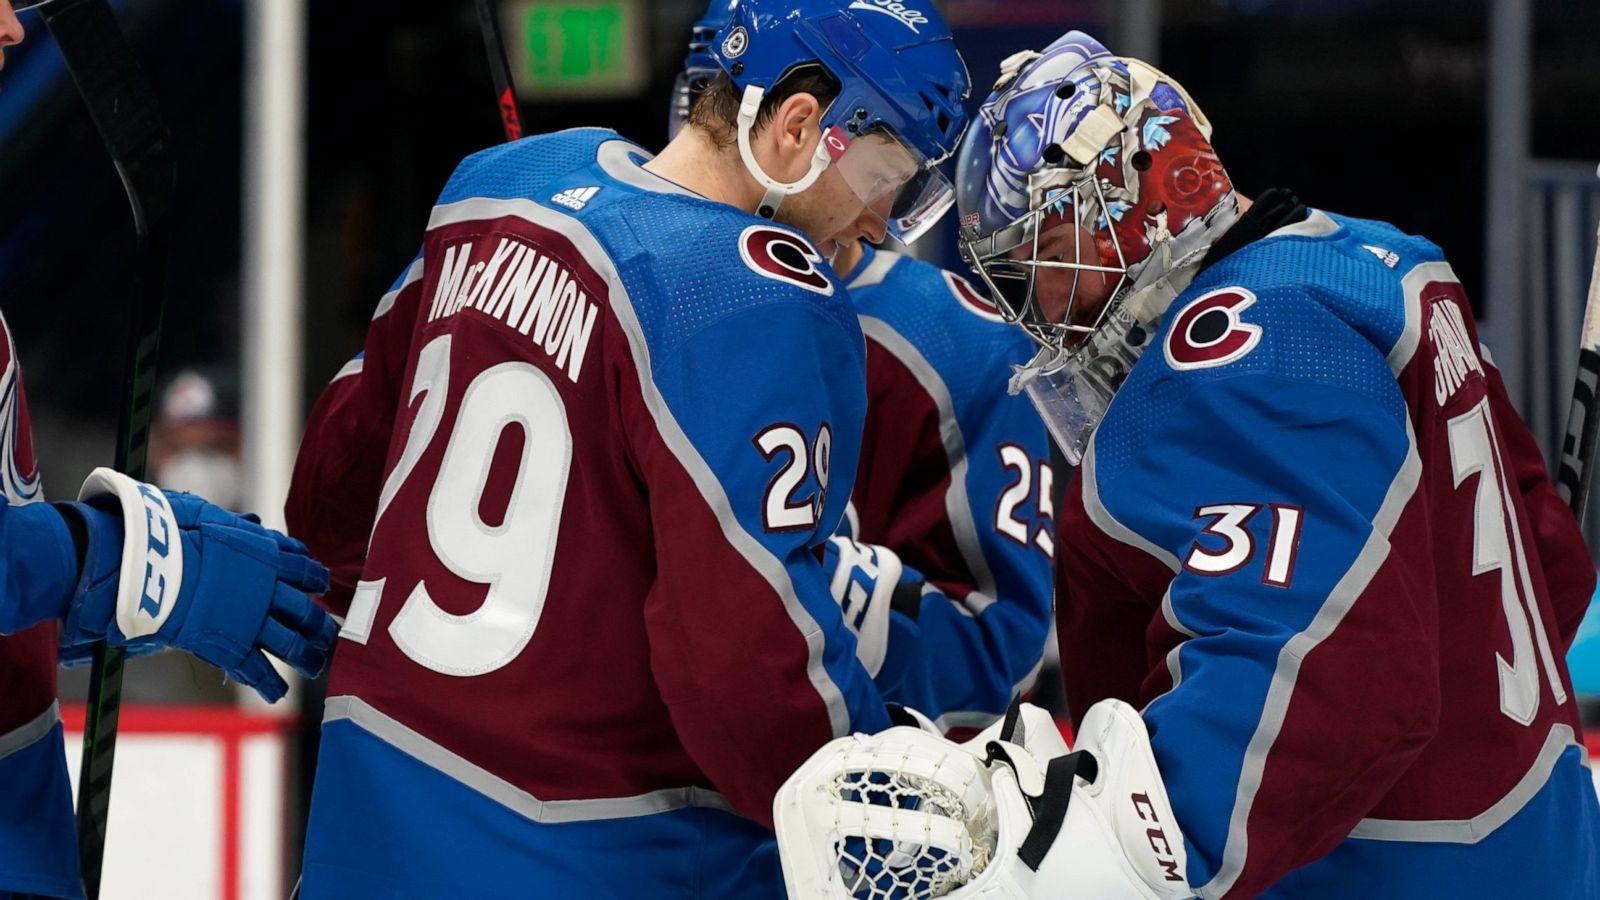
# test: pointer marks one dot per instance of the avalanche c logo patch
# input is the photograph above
(1208, 332)
(19, 475)
(782, 256)
(975, 302)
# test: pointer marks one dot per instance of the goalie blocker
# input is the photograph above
(1009, 815)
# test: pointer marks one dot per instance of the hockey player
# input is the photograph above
(574, 488)
(943, 568)
(1310, 537)
(140, 568)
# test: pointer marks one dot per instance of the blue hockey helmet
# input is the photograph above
(1089, 194)
(699, 67)
(899, 110)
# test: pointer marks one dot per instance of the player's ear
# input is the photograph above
(796, 130)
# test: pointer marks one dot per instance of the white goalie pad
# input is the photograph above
(1010, 815)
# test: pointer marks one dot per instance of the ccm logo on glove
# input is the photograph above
(1157, 836)
(162, 569)
(151, 553)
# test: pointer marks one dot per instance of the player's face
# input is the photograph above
(828, 212)
(10, 30)
(1069, 296)
(868, 226)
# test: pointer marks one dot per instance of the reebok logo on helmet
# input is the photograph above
(911, 18)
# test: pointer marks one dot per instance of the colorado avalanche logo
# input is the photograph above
(1209, 332)
(976, 303)
(783, 256)
(19, 474)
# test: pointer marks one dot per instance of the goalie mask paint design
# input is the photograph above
(1089, 193)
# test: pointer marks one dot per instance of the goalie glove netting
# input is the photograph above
(910, 862)
(903, 815)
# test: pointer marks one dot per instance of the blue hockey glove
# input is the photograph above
(165, 569)
(880, 597)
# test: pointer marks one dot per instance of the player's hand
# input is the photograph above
(868, 582)
(166, 569)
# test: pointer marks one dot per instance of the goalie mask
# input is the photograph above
(1089, 194)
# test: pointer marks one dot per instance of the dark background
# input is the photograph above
(1367, 108)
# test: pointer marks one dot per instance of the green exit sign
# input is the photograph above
(576, 48)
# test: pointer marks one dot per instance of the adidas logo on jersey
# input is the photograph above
(575, 198)
(1387, 257)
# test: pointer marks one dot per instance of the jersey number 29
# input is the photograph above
(512, 557)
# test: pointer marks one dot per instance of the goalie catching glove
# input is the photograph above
(165, 569)
(1009, 815)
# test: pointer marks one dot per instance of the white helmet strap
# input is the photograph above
(776, 190)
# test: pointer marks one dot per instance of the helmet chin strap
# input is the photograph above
(775, 190)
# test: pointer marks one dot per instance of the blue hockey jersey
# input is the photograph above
(955, 477)
(571, 493)
(1314, 541)
(38, 572)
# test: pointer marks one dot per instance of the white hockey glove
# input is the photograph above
(868, 582)
(1094, 823)
(904, 814)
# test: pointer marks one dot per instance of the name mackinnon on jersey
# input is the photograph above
(525, 290)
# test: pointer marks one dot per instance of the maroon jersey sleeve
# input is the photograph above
(339, 471)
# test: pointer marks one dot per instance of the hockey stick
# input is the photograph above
(1576, 473)
(505, 88)
(108, 77)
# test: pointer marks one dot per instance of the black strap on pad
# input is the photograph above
(1050, 807)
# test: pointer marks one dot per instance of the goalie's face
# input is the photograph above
(11, 32)
(1065, 293)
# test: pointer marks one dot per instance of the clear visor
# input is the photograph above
(1072, 389)
(898, 184)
